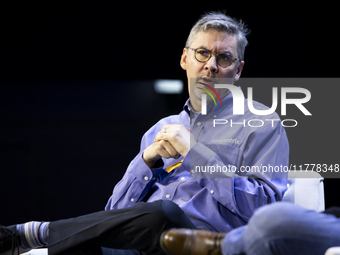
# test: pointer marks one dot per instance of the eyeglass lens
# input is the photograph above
(223, 59)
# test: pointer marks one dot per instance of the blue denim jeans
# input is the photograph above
(284, 228)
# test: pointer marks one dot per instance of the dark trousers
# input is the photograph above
(135, 228)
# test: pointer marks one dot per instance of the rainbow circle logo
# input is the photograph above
(213, 90)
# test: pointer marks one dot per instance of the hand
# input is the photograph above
(158, 150)
(178, 136)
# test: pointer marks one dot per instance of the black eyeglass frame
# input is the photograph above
(216, 55)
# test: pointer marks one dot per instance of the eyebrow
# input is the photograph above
(203, 47)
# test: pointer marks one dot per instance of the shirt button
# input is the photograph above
(199, 123)
(132, 199)
(192, 171)
(211, 191)
(146, 178)
(215, 116)
(153, 178)
(167, 196)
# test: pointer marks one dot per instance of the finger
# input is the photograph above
(166, 150)
(165, 129)
(168, 135)
(170, 128)
(156, 139)
(160, 150)
(162, 136)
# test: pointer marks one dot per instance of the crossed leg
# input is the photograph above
(136, 228)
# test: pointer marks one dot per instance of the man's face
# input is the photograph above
(209, 72)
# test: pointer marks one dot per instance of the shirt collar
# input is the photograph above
(187, 107)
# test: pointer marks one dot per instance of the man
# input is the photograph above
(166, 185)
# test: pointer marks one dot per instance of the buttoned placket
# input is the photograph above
(198, 125)
(146, 179)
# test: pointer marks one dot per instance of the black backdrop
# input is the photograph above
(76, 90)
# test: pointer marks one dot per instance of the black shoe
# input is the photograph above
(9, 239)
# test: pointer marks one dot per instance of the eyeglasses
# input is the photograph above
(223, 59)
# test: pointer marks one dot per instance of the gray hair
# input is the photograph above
(222, 23)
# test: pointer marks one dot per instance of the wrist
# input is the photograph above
(151, 162)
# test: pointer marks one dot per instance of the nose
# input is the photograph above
(211, 65)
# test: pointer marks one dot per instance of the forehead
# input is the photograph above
(215, 41)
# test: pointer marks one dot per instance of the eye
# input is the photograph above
(225, 56)
(203, 52)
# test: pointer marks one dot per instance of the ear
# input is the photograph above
(183, 61)
(239, 71)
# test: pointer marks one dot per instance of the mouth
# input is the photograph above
(209, 83)
(206, 81)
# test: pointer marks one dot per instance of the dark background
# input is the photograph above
(76, 91)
